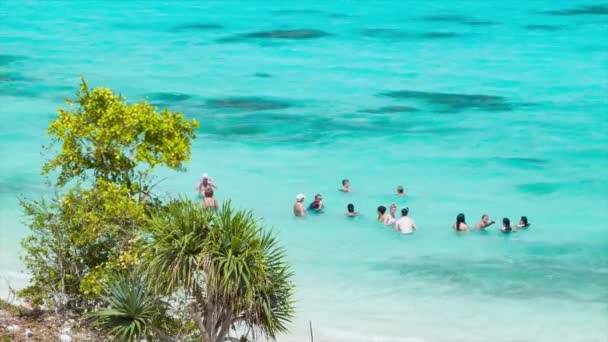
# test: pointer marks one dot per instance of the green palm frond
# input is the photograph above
(248, 272)
(233, 270)
(177, 237)
(131, 310)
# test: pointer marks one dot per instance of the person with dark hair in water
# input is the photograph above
(484, 223)
(506, 226)
(317, 204)
(345, 185)
(523, 222)
(351, 210)
(401, 191)
(381, 213)
(460, 225)
(404, 224)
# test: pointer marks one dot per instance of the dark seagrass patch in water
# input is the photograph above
(394, 34)
(453, 102)
(252, 103)
(456, 18)
(168, 97)
(196, 27)
(297, 34)
(582, 10)
(9, 59)
(549, 28)
(390, 109)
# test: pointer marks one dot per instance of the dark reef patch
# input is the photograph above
(439, 35)
(446, 18)
(384, 33)
(456, 18)
(288, 34)
(8, 59)
(247, 103)
(451, 102)
(299, 34)
(197, 27)
(168, 97)
(398, 34)
(390, 109)
(582, 10)
(297, 12)
(262, 75)
(14, 77)
(550, 28)
(480, 23)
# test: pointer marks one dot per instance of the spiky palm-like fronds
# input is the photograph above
(132, 312)
(231, 267)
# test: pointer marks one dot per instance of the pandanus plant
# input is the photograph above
(228, 266)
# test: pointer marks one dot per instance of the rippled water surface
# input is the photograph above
(476, 107)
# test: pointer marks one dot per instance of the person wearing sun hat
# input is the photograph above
(298, 207)
(204, 184)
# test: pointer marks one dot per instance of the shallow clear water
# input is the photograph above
(378, 92)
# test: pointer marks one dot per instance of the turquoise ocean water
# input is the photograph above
(478, 107)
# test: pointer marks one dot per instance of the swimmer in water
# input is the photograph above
(460, 225)
(381, 213)
(523, 223)
(298, 207)
(345, 185)
(209, 202)
(484, 223)
(390, 218)
(317, 204)
(401, 191)
(204, 184)
(506, 226)
(404, 224)
(351, 210)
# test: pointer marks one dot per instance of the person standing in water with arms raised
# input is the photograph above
(298, 207)
(204, 184)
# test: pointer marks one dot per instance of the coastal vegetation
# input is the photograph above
(135, 265)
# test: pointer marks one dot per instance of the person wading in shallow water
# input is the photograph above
(345, 185)
(350, 210)
(506, 226)
(317, 204)
(404, 224)
(484, 223)
(209, 202)
(298, 207)
(523, 222)
(460, 225)
(204, 184)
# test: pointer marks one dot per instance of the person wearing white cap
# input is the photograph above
(204, 184)
(298, 207)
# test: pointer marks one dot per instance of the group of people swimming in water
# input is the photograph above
(403, 224)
